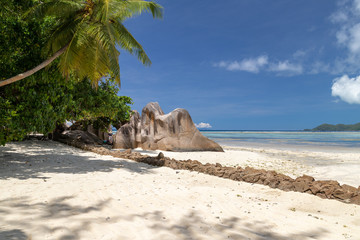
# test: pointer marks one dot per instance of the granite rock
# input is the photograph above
(154, 130)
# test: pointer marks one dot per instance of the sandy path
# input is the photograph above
(52, 191)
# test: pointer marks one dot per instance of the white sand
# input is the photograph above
(52, 191)
(335, 165)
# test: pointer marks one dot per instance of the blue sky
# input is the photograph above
(250, 64)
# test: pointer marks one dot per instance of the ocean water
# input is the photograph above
(287, 139)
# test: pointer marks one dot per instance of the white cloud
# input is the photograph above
(203, 125)
(319, 67)
(299, 54)
(347, 89)
(342, 36)
(347, 17)
(346, 20)
(222, 64)
(339, 16)
(249, 65)
(254, 65)
(357, 5)
(286, 67)
(354, 39)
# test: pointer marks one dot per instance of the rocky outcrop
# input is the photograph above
(85, 137)
(103, 135)
(83, 126)
(127, 136)
(170, 132)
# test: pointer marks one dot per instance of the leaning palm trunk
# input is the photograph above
(87, 33)
(35, 69)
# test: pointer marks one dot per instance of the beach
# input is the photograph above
(322, 165)
(244, 128)
(54, 191)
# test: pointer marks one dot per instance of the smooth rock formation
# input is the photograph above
(82, 126)
(85, 137)
(100, 133)
(170, 132)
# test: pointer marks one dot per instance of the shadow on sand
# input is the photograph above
(187, 226)
(52, 217)
(194, 226)
(40, 158)
(38, 216)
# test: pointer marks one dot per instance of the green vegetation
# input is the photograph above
(338, 127)
(84, 35)
(46, 99)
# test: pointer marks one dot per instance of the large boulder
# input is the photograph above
(127, 136)
(174, 131)
(100, 133)
(69, 136)
(103, 135)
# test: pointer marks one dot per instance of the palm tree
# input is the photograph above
(86, 35)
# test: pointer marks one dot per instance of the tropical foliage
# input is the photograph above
(99, 107)
(86, 33)
(46, 99)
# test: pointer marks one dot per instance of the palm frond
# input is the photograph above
(92, 30)
(60, 9)
(127, 42)
(124, 9)
(61, 34)
(137, 7)
(97, 55)
(71, 59)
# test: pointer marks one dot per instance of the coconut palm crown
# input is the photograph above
(86, 36)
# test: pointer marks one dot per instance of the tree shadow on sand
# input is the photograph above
(40, 158)
(39, 215)
(14, 234)
(187, 225)
(194, 226)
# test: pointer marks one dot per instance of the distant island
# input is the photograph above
(338, 127)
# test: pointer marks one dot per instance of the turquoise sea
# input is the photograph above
(286, 139)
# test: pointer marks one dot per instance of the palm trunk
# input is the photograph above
(35, 69)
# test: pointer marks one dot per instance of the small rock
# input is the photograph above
(127, 151)
(160, 156)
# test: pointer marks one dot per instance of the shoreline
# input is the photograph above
(310, 147)
(63, 191)
(289, 140)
